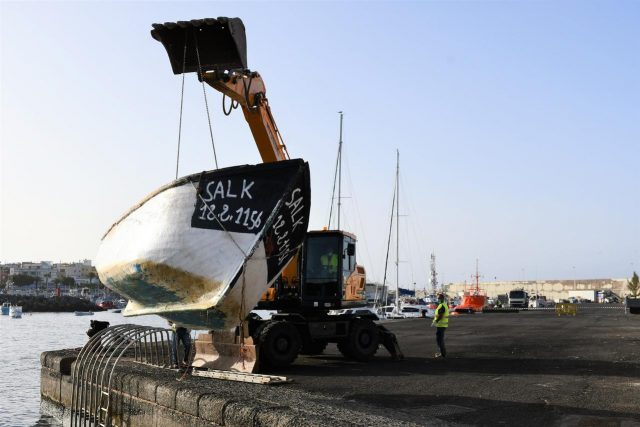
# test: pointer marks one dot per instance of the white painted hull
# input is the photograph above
(204, 259)
(15, 312)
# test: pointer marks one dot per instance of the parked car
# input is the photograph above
(364, 312)
(107, 305)
(390, 312)
(411, 311)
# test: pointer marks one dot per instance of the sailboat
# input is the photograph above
(474, 299)
(392, 311)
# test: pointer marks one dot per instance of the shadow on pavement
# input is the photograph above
(485, 412)
(323, 365)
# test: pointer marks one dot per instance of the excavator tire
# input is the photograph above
(279, 344)
(362, 342)
(313, 347)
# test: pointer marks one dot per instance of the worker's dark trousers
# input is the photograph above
(181, 335)
(440, 340)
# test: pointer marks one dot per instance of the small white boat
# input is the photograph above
(203, 249)
(83, 313)
(15, 312)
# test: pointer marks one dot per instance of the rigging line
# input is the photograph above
(359, 217)
(408, 247)
(333, 191)
(415, 225)
(206, 104)
(184, 64)
(386, 262)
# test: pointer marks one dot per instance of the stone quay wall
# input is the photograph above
(144, 395)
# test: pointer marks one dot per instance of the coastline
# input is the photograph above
(39, 304)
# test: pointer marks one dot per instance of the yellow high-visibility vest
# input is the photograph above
(444, 322)
(330, 263)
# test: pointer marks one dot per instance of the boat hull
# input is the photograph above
(472, 303)
(15, 312)
(202, 250)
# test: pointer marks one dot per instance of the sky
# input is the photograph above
(517, 126)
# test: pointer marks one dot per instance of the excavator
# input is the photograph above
(313, 283)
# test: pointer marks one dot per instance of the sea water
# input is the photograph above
(22, 341)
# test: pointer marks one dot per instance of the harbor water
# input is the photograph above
(22, 341)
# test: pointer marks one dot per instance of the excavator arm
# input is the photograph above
(248, 90)
(216, 50)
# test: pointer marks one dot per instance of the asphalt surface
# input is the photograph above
(524, 369)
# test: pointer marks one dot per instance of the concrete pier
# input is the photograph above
(147, 396)
(531, 368)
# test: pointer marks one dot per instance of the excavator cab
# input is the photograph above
(328, 277)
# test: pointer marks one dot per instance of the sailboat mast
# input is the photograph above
(340, 170)
(398, 230)
(385, 289)
(477, 276)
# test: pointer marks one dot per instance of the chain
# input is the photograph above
(184, 64)
(206, 104)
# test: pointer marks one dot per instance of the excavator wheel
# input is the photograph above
(279, 344)
(313, 347)
(362, 342)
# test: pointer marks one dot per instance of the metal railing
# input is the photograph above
(96, 362)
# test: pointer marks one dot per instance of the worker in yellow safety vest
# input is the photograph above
(329, 261)
(441, 322)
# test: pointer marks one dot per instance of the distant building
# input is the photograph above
(42, 269)
(45, 272)
(552, 289)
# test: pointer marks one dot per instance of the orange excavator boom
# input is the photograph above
(216, 49)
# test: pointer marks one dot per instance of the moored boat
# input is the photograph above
(474, 299)
(15, 312)
(203, 249)
(83, 313)
(5, 308)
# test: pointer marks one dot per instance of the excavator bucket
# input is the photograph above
(222, 350)
(220, 44)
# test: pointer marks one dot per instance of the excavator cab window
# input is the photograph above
(322, 268)
(322, 260)
(349, 255)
